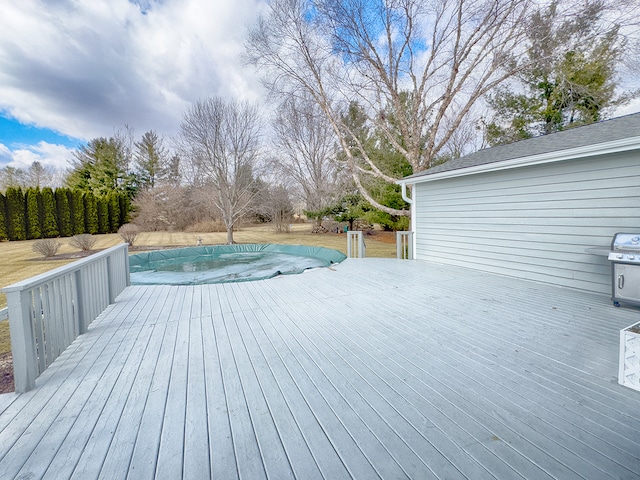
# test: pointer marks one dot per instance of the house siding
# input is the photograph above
(532, 222)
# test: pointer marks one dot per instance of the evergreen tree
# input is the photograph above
(64, 213)
(571, 79)
(76, 206)
(49, 220)
(114, 212)
(103, 214)
(125, 208)
(3, 218)
(17, 228)
(90, 213)
(150, 160)
(34, 229)
(101, 167)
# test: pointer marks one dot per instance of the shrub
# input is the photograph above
(47, 247)
(83, 242)
(129, 232)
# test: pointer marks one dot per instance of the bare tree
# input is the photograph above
(274, 205)
(222, 138)
(36, 176)
(305, 152)
(418, 67)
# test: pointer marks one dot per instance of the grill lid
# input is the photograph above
(628, 242)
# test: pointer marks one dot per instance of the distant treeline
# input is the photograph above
(63, 212)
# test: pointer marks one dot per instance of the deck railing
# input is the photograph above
(356, 248)
(404, 245)
(47, 312)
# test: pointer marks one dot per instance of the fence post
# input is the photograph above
(23, 341)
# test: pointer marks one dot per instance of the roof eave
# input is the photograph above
(616, 146)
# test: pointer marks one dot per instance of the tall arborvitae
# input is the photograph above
(103, 215)
(34, 229)
(3, 218)
(90, 213)
(114, 212)
(125, 208)
(48, 214)
(64, 214)
(17, 225)
(76, 205)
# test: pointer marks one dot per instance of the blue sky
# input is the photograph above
(14, 134)
(73, 70)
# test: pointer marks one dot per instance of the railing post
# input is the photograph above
(355, 244)
(404, 245)
(23, 342)
(110, 282)
(126, 266)
(83, 323)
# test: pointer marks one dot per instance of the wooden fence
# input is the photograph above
(47, 312)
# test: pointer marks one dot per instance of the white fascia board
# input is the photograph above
(623, 145)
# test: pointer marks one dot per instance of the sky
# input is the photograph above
(73, 70)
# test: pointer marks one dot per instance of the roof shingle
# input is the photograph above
(593, 134)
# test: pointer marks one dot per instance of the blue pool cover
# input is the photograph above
(226, 263)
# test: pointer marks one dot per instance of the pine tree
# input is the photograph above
(571, 79)
(3, 218)
(64, 213)
(16, 214)
(90, 213)
(48, 214)
(150, 159)
(34, 229)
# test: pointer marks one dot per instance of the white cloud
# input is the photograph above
(83, 68)
(48, 154)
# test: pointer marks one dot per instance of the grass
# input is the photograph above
(18, 261)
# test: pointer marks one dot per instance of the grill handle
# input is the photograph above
(620, 282)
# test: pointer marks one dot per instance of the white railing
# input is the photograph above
(4, 313)
(356, 248)
(404, 245)
(47, 312)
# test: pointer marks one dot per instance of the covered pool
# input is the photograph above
(226, 263)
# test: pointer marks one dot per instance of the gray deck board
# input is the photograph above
(370, 369)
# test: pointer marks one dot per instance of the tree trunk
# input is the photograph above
(230, 235)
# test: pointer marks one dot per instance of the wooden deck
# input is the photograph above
(371, 369)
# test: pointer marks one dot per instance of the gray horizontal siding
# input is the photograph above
(532, 222)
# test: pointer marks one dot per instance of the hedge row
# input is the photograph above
(46, 213)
